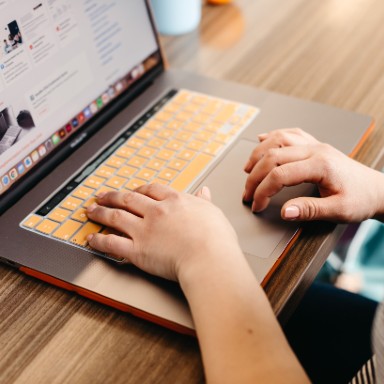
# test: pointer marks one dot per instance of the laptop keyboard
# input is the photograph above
(172, 143)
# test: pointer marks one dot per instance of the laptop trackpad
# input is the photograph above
(259, 234)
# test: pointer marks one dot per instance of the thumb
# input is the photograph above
(204, 193)
(311, 208)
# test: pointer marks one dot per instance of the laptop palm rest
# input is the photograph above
(261, 236)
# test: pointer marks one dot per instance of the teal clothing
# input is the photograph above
(365, 257)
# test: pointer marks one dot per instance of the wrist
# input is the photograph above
(195, 270)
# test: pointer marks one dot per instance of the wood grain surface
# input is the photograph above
(328, 51)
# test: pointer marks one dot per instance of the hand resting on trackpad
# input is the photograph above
(259, 233)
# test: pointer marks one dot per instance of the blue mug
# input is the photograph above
(175, 17)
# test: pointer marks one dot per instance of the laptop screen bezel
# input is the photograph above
(23, 185)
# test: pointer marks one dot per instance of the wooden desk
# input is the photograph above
(328, 51)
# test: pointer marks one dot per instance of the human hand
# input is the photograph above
(163, 231)
(349, 191)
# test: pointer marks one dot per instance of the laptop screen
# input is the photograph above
(61, 63)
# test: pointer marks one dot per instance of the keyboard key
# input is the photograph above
(177, 164)
(80, 238)
(201, 118)
(80, 215)
(204, 135)
(32, 221)
(67, 230)
(211, 108)
(226, 113)
(184, 116)
(165, 133)
(165, 154)
(175, 124)
(164, 116)
(83, 192)
(135, 142)
(115, 161)
(125, 152)
(59, 214)
(137, 161)
(200, 99)
(184, 135)
(145, 133)
(175, 145)
(182, 97)
(47, 226)
(222, 138)
(193, 169)
(154, 124)
(134, 183)
(156, 164)
(192, 107)
(146, 174)
(186, 154)
(157, 143)
(172, 107)
(196, 145)
(116, 182)
(213, 148)
(71, 203)
(127, 171)
(168, 174)
(213, 127)
(105, 171)
(194, 127)
(147, 152)
(94, 181)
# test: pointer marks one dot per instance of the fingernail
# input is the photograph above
(248, 201)
(253, 208)
(292, 212)
(91, 208)
(262, 136)
(206, 192)
(101, 195)
(248, 165)
(90, 237)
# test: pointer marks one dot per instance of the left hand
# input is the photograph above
(288, 157)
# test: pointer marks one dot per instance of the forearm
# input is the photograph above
(240, 338)
(380, 197)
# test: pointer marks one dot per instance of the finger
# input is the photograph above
(293, 136)
(258, 153)
(289, 174)
(130, 201)
(117, 247)
(156, 191)
(277, 139)
(274, 157)
(204, 193)
(262, 136)
(255, 156)
(118, 219)
(313, 208)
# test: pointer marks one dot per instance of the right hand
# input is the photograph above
(349, 191)
(163, 231)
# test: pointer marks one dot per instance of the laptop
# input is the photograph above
(109, 115)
